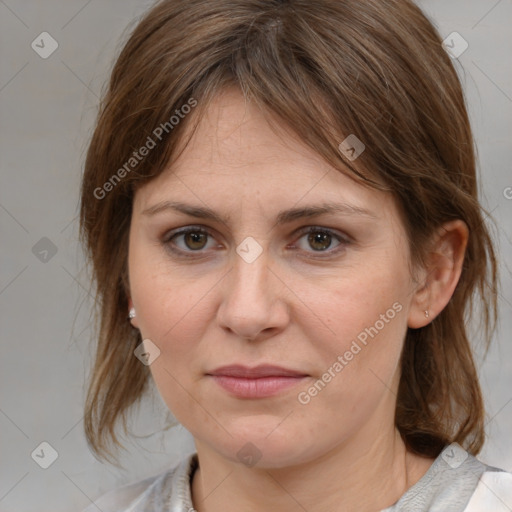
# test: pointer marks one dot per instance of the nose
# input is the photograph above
(254, 302)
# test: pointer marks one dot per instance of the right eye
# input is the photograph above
(190, 239)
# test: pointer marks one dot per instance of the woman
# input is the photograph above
(280, 206)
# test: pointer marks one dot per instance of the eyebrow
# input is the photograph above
(283, 217)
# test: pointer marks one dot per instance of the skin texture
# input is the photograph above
(300, 304)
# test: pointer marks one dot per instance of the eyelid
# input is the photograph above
(334, 232)
(168, 235)
(343, 239)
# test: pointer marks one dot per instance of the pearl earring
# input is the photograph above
(426, 313)
(131, 314)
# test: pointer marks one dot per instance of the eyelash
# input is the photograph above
(344, 241)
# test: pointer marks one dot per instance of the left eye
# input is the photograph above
(320, 239)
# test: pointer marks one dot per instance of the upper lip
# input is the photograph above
(264, 370)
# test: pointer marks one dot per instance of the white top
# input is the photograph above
(456, 482)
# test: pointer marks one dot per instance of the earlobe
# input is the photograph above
(445, 261)
(132, 314)
(421, 313)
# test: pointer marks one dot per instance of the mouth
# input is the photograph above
(258, 382)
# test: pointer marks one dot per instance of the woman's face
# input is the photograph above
(326, 296)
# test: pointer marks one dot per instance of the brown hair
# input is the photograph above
(327, 69)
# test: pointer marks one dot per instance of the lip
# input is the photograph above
(258, 382)
(262, 370)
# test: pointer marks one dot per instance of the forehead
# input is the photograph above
(236, 158)
(235, 133)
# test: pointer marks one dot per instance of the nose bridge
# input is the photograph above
(250, 280)
(251, 301)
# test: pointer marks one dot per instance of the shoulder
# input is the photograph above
(123, 498)
(458, 482)
(151, 494)
(493, 492)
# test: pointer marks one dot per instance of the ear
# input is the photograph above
(440, 277)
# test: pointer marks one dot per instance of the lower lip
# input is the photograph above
(256, 388)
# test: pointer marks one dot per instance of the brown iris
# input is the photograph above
(195, 240)
(318, 240)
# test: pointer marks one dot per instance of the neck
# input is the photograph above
(355, 476)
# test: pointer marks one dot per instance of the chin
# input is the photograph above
(262, 445)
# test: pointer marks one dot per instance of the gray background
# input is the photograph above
(47, 109)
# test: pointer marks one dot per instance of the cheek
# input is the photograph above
(165, 300)
(172, 315)
(174, 311)
(168, 310)
(363, 301)
(359, 365)
(365, 321)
